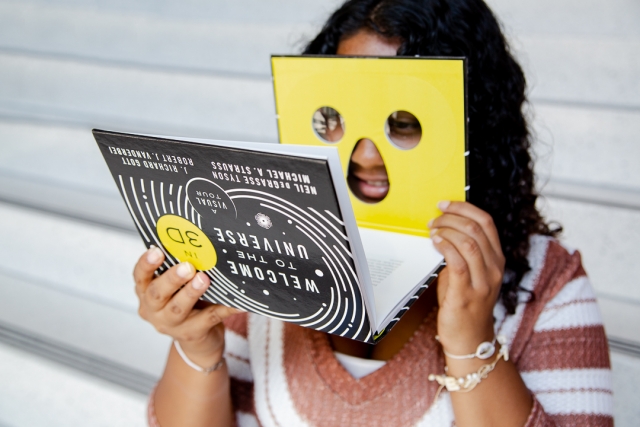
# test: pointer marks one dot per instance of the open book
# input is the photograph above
(273, 228)
(276, 227)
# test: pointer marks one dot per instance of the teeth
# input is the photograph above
(378, 183)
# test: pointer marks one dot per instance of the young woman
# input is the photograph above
(505, 275)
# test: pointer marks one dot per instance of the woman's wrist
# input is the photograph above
(467, 383)
(465, 342)
(461, 352)
(204, 354)
(462, 367)
(204, 369)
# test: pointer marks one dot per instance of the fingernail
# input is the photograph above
(436, 238)
(443, 205)
(154, 255)
(433, 231)
(198, 282)
(184, 270)
(430, 223)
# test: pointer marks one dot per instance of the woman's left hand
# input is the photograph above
(469, 285)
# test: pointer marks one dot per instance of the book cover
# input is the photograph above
(265, 227)
(412, 109)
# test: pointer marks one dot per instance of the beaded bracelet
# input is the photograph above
(470, 381)
(188, 361)
(484, 351)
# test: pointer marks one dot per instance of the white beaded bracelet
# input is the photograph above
(470, 381)
(484, 351)
(188, 361)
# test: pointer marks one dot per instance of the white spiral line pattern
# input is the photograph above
(331, 270)
(308, 230)
(226, 289)
(247, 302)
(330, 304)
(315, 239)
(220, 279)
(289, 216)
(340, 233)
(153, 195)
(300, 211)
(168, 258)
(353, 274)
(335, 218)
(164, 207)
(178, 202)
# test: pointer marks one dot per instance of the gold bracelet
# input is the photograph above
(470, 381)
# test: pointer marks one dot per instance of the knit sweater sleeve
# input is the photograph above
(564, 356)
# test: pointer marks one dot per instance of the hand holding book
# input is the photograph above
(167, 302)
(469, 286)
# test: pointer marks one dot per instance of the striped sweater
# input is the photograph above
(284, 375)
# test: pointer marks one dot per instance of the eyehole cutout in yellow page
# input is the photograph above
(366, 91)
(186, 242)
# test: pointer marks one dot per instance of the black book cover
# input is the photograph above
(265, 227)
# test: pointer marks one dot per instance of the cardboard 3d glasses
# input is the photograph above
(412, 109)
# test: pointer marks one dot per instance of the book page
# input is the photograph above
(380, 269)
(399, 264)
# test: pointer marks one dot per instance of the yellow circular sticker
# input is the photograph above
(186, 242)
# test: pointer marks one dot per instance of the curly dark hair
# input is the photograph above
(500, 165)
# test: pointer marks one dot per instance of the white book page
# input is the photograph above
(398, 263)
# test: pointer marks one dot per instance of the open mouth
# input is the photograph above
(367, 174)
(369, 190)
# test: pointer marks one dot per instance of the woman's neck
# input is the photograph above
(393, 342)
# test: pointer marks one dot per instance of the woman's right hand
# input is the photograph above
(167, 302)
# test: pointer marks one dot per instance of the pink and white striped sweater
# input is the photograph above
(284, 375)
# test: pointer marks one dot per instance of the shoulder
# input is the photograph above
(553, 266)
(558, 342)
(557, 296)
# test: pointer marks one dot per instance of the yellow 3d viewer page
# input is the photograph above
(368, 94)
